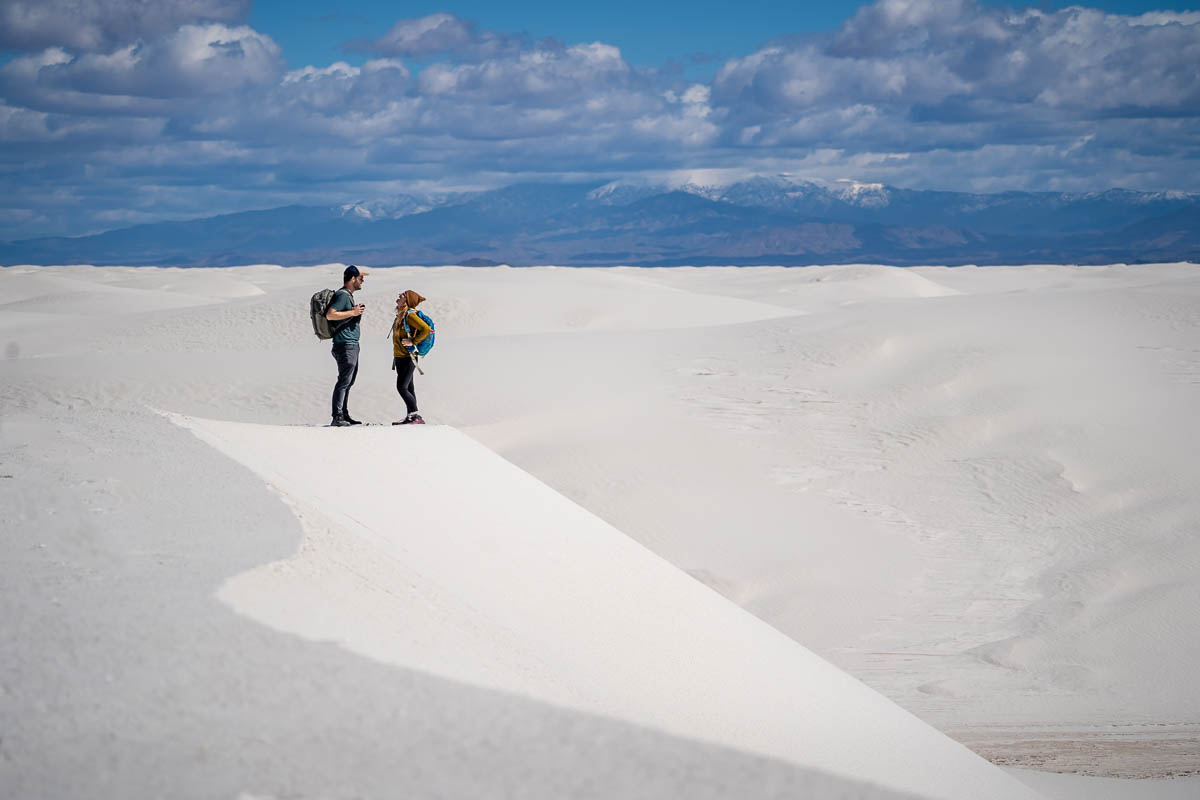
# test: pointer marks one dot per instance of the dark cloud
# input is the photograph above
(90, 26)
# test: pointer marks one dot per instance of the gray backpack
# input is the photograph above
(317, 308)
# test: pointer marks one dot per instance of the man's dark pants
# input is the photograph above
(346, 356)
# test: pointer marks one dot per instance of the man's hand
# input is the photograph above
(359, 309)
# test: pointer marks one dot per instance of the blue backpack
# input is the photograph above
(426, 344)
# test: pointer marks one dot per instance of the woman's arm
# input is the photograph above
(419, 327)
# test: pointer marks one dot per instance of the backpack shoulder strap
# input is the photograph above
(403, 321)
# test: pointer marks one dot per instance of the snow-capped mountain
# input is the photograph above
(779, 192)
(762, 219)
(397, 206)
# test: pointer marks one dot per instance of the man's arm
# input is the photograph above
(341, 307)
(334, 316)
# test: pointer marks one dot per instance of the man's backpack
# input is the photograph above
(317, 307)
(425, 345)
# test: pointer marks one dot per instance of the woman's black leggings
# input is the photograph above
(404, 382)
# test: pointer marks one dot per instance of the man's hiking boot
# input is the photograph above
(350, 419)
(339, 422)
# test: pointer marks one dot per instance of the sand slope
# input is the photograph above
(495, 579)
(124, 676)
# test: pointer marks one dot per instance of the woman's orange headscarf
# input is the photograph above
(412, 299)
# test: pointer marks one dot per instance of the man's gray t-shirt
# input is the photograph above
(345, 330)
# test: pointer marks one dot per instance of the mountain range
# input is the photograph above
(761, 220)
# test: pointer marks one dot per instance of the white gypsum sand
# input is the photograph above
(125, 677)
(521, 590)
(976, 496)
(967, 487)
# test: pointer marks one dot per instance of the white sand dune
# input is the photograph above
(983, 503)
(971, 488)
(489, 577)
(123, 675)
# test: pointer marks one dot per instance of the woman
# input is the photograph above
(407, 331)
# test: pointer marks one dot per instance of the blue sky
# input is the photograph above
(114, 112)
(648, 34)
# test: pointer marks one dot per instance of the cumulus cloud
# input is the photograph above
(955, 62)
(922, 93)
(156, 77)
(337, 128)
(103, 25)
(520, 111)
(956, 95)
(340, 89)
(539, 76)
(440, 34)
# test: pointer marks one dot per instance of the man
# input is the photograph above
(346, 314)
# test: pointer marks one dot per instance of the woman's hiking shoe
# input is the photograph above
(411, 419)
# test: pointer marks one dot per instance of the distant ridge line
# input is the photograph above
(762, 220)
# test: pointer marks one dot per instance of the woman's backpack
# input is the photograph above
(423, 347)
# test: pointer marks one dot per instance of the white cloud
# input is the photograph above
(533, 77)
(193, 61)
(437, 33)
(384, 65)
(685, 131)
(954, 73)
(1167, 18)
(440, 34)
(697, 94)
(947, 94)
(310, 74)
(103, 25)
